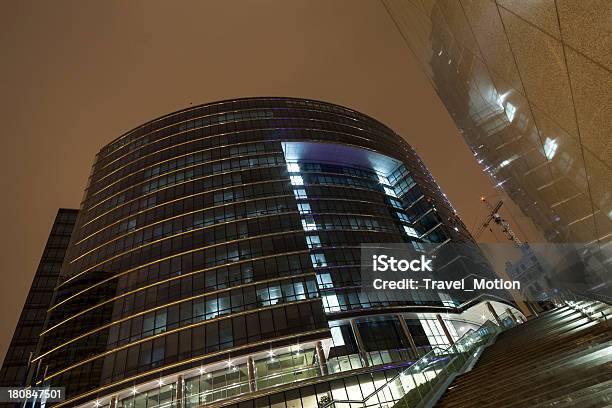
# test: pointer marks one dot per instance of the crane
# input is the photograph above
(495, 217)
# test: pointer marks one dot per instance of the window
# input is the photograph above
(318, 260)
(304, 208)
(300, 193)
(395, 203)
(336, 333)
(293, 167)
(331, 304)
(389, 191)
(296, 180)
(313, 241)
(411, 231)
(308, 224)
(324, 280)
(402, 217)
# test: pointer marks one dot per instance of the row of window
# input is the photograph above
(212, 238)
(275, 129)
(321, 206)
(215, 230)
(235, 105)
(202, 173)
(325, 191)
(202, 219)
(191, 342)
(269, 238)
(146, 211)
(178, 273)
(243, 115)
(214, 196)
(219, 184)
(219, 146)
(185, 313)
(217, 278)
(210, 155)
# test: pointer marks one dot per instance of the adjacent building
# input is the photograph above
(216, 260)
(529, 86)
(14, 372)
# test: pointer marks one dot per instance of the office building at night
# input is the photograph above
(216, 260)
(22, 348)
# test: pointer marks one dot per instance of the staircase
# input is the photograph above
(561, 359)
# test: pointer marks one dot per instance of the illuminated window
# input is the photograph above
(418, 246)
(331, 304)
(293, 167)
(324, 280)
(411, 231)
(383, 180)
(403, 217)
(389, 192)
(395, 203)
(313, 241)
(318, 260)
(304, 208)
(308, 224)
(337, 337)
(300, 193)
(297, 180)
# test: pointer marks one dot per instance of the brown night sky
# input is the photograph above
(75, 75)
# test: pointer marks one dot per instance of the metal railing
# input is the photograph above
(431, 374)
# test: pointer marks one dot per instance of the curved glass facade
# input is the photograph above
(217, 251)
(528, 85)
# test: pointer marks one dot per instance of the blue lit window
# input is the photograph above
(389, 191)
(395, 203)
(296, 180)
(383, 180)
(411, 231)
(318, 260)
(403, 217)
(337, 337)
(293, 167)
(418, 246)
(304, 208)
(324, 280)
(330, 303)
(308, 224)
(313, 241)
(300, 193)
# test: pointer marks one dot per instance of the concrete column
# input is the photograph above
(446, 332)
(321, 357)
(362, 351)
(494, 313)
(180, 391)
(113, 402)
(251, 373)
(509, 311)
(408, 335)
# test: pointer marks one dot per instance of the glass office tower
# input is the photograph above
(529, 87)
(14, 370)
(216, 258)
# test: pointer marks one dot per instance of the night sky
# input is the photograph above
(75, 75)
